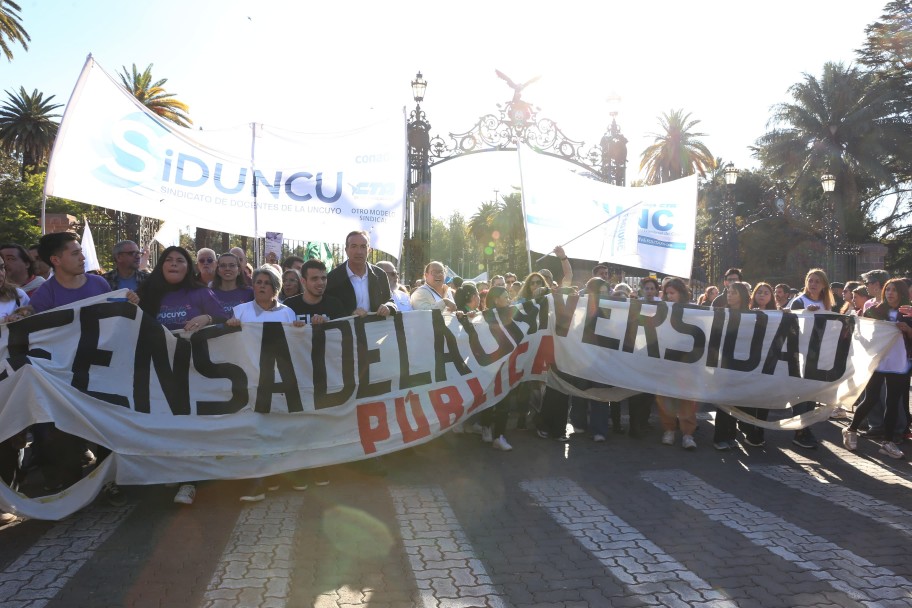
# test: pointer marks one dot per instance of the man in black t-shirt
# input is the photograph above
(313, 306)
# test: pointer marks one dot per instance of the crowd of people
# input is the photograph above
(186, 295)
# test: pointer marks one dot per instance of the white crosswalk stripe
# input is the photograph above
(39, 574)
(843, 570)
(447, 572)
(816, 485)
(255, 568)
(874, 469)
(628, 555)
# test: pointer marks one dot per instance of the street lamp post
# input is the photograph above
(418, 214)
(831, 231)
(729, 226)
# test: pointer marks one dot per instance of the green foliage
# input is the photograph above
(676, 151)
(153, 95)
(11, 30)
(28, 128)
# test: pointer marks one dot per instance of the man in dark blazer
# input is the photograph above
(360, 286)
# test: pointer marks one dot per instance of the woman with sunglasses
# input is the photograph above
(726, 427)
(291, 284)
(229, 284)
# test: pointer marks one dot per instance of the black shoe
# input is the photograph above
(113, 495)
(805, 439)
(618, 430)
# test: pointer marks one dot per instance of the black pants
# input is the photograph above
(754, 433)
(496, 418)
(554, 410)
(639, 407)
(726, 427)
(897, 385)
(9, 461)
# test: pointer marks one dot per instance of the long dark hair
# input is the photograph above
(463, 296)
(771, 305)
(741, 288)
(680, 286)
(882, 310)
(155, 286)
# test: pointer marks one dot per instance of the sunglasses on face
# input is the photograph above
(206, 260)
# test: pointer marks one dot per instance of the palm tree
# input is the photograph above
(676, 152)
(153, 95)
(11, 29)
(843, 124)
(510, 222)
(27, 128)
(481, 229)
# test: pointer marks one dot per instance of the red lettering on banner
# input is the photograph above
(422, 427)
(544, 357)
(516, 375)
(372, 434)
(478, 394)
(447, 402)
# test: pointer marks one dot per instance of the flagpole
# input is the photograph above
(256, 225)
(616, 215)
(61, 131)
(522, 199)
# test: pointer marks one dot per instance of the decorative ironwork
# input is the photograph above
(516, 122)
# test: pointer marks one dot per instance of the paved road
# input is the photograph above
(454, 523)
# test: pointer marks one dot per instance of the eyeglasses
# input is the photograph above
(206, 260)
(535, 282)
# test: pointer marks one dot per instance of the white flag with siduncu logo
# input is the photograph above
(113, 152)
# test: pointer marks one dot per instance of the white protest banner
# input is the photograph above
(657, 233)
(261, 399)
(112, 152)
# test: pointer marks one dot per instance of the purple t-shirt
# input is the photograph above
(52, 294)
(178, 307)
(230, 299)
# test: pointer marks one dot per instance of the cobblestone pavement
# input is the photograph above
(453, 523)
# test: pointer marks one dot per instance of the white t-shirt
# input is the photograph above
(250, 312)
(8, 306)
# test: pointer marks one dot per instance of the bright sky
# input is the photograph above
(336, 65)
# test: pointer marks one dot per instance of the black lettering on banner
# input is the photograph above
(527, 313)
(367, 356)
(274, 354)
(87, 351)
(450, 354)
(563, 312)
(715, 337)
(19, 332)
(594, 312)
(322, 397)
(407, 379)
(543, 309)
(506, 319)
(648, 323)
(504, 346)
(202, 362)
(152, 349)
(787, 335)
(694, 331)
(811, 371)
(731, 339)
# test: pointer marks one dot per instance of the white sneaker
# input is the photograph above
(185, 494)
(457, 428)
(839, 413)
(890, 449)
(476, 428)
(501, 444)
(486, 435)
(849, 440)
(598, 438)
(668, 438)
(7, 518)
(688, 443)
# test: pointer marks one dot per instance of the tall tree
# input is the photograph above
(481, 229)
(153, 95)
(11, 30)
(676, 151)
(27, 128)
(843, 123)
(888, 45)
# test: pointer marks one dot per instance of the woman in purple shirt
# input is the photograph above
(178, 300)
(175, 298)
(230, 285)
